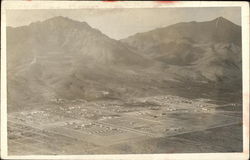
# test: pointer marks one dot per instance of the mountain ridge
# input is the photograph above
(181, 23)
(196, 46)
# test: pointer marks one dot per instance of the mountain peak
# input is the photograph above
(65, 22)
(61, 19)
(222, 19)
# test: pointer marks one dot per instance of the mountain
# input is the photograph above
(67, 59)
(219, 30)
(63, 58)
(63, 36)
(200, 51)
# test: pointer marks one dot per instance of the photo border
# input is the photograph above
(8, 5)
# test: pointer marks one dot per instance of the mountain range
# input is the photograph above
(68, 59)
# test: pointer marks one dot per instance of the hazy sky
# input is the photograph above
(121, 23)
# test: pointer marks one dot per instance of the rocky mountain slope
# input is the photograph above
(63, 58)
(201, 51)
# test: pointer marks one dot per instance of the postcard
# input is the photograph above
(124, 80)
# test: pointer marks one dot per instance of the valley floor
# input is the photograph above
(160, 124)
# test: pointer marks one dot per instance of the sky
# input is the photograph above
(121, 23)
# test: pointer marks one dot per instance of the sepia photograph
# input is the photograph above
(124, 80)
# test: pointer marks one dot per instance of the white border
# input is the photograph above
(129, 4)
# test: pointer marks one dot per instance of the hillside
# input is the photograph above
(200, 51)
(63, 58)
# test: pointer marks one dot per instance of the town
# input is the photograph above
(90, 126)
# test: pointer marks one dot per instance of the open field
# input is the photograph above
(160, 124)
